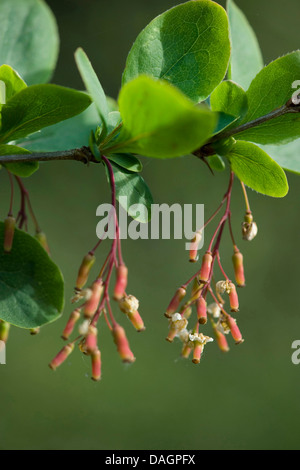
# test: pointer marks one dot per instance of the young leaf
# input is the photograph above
(31, 285)
(257, 170)
(22, 169)
(188, 46)
(271, 89)
(38, 106)
(28, 39)
(92, 84)
(133, 187)
(66, 135)
(229, 98)
(287, 156)
(216, 163)
(159, 121)
(246, 58)
(13, 81)
(127, 161)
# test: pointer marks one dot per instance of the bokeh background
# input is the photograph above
(246, 399)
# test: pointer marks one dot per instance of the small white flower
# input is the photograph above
(129, 304)
(176, 317)
(84, 327)
(214, 309)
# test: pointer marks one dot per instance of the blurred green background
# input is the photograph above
(246, 399)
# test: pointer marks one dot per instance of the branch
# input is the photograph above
(82, 154)
(208, 149)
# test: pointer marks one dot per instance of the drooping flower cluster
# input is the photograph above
(96, 304)
(204, 285)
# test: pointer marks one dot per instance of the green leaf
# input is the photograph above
(66, 135)
(92, 84)
(22, 169)
(13, 81)
(28, 39)
(127, 161)
(133, 187)
(224, 122)
(31, 285)
(216, 163)
(257, 170)
(38, 106)
(270, 90)
(159, 121)
(246, 58)
(229, 98)
(287, 156)
(188, 46)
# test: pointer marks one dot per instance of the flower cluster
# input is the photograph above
(96, 304)
(204, 285)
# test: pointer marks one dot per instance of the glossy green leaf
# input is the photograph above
(188, 46)
(28, 39)
(92, 84)
(134, 188)
(159, 121)
(229, 98)
(257, 170)
(246, 58)
(224, 122)
(69, 134)
(287, 156)
(31, 285)
(23, 169)
(271, 89)
(127, 161)
(38, 106)
(13, 81)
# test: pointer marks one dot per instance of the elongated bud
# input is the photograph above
(121, 282)
(96, 365)
(90, 307)
(233, 298)
(9, 230)
(63, 354)
(186, 351)
(35, 331)
(238, 266)
(194, 247)
(234, 330)
(84, 270)
(136, 321)
(91, 340)
(74, 317)
(202, 311)
(198, 348)
(174, 304)
(4, 330)
(42, 239)
(122, 344)
(196, 290)
(221, 339)
(186, 311)
(206, 266)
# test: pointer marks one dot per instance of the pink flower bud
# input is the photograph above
(42, 239)
(121, 282)
(233, 298)
(74, 317)
(206, 267)
(198, 348)
(201, 311)
(4, 330)
(186, 351)
(238, 266)
(194, 247)
(234, 330)
(221, 340)
(91, 340)
(174, 304)
(63, 354)
(84, 270)
(96, 365)
(90, 307)
(137, 321)
(9, 230)
(122, 344)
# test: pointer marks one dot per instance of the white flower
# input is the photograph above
(129, 304)
(84, 327)
(214, 309)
